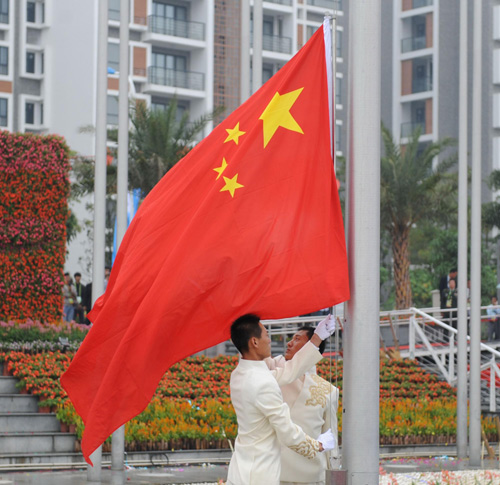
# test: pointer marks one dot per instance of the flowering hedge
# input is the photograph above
(191, 407)
(34, 187)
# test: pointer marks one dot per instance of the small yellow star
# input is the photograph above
(277, 113)
(234, 134)
(231, 185)
(221, 169)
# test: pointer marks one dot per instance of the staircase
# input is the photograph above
(26, 435)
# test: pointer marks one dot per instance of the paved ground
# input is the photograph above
(400, 471)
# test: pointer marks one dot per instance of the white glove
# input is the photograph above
(325, 328)
(328, 440)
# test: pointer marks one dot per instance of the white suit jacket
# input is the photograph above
(264, 419)
(313, 404)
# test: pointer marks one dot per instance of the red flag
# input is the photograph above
(248, 221)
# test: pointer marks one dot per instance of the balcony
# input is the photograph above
(413, 44)
(277, 43)
(420, 85)
(408, 128)
(280, 2)
(329, 4)
(176, 79)
(176, 28)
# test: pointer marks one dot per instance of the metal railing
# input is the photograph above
(177, 79)
(280, 2)
(413, 43)
(421, 3)
(176, 28)
(408, 128)
(276, 43)
(433, 342)
(330, 4)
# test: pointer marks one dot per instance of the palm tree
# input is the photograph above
(158, 140)
(415, 186)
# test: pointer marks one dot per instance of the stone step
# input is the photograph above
(29, 422)
(8, 385)
(18, 403)
(37, 442)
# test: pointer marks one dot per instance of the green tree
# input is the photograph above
(415, 186)
(158, 141)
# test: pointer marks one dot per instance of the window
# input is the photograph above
(114, 56)
(3, 112)
(176, 12)
(4, 11)
(41, 113)
(4, 60)
(30, 11)
(267, 73)
(267, 26)
(30, 62)
(29, 115)
(338, 42)
(114, 10)
(338, 90)
(169, 61)
(163, 104)
(338, 129)
(112, 110)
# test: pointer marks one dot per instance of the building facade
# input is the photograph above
(420, 73)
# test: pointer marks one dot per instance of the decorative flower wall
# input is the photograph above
(34, 188)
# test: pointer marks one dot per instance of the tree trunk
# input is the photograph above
(401, 265)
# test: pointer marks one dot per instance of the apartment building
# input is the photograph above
(48, 54)
(420, 73)
(286, 26)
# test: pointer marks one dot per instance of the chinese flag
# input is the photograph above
(248, 222)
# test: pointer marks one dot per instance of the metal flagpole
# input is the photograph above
(462, 242)
(475, 264)
(118, 439)
(245, 51)
(360, 431)
(94, 473)
(258, 19)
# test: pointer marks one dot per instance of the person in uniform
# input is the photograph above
(313, 404)
(263, 418)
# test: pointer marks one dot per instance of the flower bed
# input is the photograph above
(30, 336)
(34, 187)
(191, 407)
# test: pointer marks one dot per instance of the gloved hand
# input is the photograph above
(325, 328)
(327, 440)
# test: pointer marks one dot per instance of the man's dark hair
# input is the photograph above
(453, 270)
(310, 333)
(65, 274)
(243, 329)
(77, 274)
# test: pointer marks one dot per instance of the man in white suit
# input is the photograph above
(263, 418)
(313, 406)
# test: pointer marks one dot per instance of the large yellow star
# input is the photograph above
(221, 169)
(231, 185)
(277, 113)
(234, 134)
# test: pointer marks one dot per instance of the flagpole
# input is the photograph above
(360, 437)
(475, 264)
(462, 243)
(118, 437)
(94, 473)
